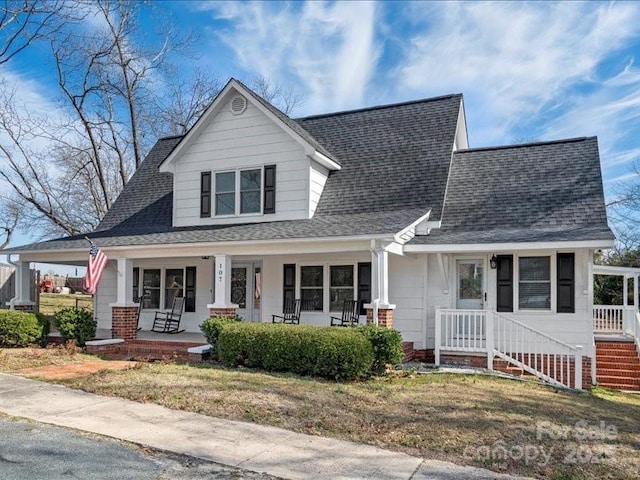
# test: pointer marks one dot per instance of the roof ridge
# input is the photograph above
(378, 107)
(524, 145)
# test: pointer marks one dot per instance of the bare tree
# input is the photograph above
(25, 22)
(286, 99)
(184, 102)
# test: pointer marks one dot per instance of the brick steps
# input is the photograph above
(617, 365)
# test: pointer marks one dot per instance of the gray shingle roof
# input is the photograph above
(395, 156)
(524, 193)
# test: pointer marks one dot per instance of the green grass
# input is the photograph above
(447, 417)
(50, 303)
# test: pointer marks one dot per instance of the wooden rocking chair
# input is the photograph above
(291, 313)
(350, 315)
(169, 322)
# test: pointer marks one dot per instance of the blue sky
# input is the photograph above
(528, 71)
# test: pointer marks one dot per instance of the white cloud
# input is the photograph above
(327, 50)
(514, 61)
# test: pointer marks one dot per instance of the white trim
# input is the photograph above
(484, 247)
(610, 270)
(324, 161)
(167, 164)
(408, 232)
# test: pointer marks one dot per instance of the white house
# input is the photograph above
(474, 255)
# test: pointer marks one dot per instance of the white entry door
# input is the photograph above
(470, 286)
(246, 289)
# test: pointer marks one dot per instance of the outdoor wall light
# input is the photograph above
(493, 261)
(205, 257)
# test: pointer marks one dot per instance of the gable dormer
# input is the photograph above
(243, 162)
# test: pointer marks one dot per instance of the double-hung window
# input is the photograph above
(311, 288)
(534, 283)
(250, 190)
(238, 192)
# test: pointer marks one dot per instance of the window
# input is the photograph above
(173, 285)
(311, 292)
(250, 191)
(190, 290)
(226, 193)
(534, 287)
(136, 282)
(240, 192)
(340, 286)
(205, 194)
(151, 288)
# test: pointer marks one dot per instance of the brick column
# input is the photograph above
(222, 312)
(124, 321)
(385, 316)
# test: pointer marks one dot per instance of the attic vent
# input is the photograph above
(238, 104)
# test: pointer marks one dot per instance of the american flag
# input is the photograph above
(95, 267)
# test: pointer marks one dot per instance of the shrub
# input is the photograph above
(387, 346)
(19, 329)
(75, 324)
(335, 353)
(211, 329)
(45, 324)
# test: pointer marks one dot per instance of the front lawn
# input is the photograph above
(504, 425)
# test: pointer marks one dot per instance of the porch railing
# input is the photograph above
(518, 344)
(608, 319)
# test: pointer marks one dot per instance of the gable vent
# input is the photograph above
(238, 104)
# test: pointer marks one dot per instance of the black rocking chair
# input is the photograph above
(290, 314)
(169, 322)
(350, 315)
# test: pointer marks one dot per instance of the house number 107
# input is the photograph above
(220, 272)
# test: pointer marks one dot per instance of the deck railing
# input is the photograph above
(608, 319)
(514, 342)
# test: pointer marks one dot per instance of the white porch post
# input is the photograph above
(22, 299)
(380, 311)
(124, 282)
(222, 305)
(628, 312)
(635, 293)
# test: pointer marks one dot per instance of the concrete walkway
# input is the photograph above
(252, 447)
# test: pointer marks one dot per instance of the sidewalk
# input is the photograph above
(253, 447)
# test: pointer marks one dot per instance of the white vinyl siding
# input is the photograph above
(317, 179)
(242, 142)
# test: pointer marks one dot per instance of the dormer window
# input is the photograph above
(238, 192)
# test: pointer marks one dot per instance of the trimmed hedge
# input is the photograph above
(211, 329)
(75, 324)
(387, 346)
(20, 329)
(329, 352)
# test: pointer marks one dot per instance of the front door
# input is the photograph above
(246, 290)
(470, 291)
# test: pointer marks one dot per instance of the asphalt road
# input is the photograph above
(33, 451)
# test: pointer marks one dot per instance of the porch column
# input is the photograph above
(222, 306)
(124, 313)
(380, 305)
(22, 299)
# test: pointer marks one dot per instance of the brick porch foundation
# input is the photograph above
(222, 312)
(385, 317)
(124, 322)
(25, 307)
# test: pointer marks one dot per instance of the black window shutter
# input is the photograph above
(505, 283)
(364, 285)
(288, 283)
(205, 194)
(269, 189)
(190, 290)
(566, 283)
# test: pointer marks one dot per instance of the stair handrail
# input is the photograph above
(563, 350)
